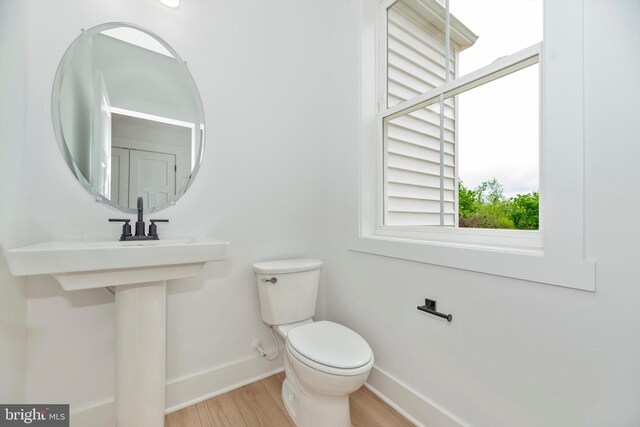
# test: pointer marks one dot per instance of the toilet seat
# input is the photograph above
(330, 348)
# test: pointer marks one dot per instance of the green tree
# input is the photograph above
(490, 192)
(496, 214)
(467, 200)
(525, 211)
(487, 207)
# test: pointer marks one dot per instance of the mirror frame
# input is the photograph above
(57, 118)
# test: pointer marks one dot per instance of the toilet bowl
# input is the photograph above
(324, 361)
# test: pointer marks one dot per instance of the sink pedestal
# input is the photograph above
(140, 354)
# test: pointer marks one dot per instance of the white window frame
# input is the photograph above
(553, 255)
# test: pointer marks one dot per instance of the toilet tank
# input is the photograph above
(288, 289)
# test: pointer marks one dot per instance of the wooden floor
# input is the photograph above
(259, 404)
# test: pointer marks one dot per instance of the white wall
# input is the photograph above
(516, 353)
(261, 69)
(13, 306)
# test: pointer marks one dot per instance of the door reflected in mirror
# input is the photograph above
(128, 117)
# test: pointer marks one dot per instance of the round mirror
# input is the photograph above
(128, 117)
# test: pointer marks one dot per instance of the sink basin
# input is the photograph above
(87, 265)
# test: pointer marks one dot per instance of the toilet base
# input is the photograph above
(312, 409)
(315, 410)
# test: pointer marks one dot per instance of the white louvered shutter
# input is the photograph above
(416, 64)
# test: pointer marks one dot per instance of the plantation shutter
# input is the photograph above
(416, 64)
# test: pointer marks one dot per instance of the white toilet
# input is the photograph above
(324, 361)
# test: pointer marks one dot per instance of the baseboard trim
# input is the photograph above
(199, 387)
(99, 415)
(189, 390)
(415, 407)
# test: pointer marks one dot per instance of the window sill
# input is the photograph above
(530, 265)
(500, 240)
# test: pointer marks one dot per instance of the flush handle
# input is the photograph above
(272, 280)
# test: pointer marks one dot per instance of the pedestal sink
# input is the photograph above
(139, 271)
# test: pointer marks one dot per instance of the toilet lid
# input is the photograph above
(330, 344)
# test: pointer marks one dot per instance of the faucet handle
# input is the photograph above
(153, 228)
(126, 227)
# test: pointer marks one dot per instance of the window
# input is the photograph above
(461, 152)
(555, 253)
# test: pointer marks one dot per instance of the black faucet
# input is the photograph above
(140, 222)
(126, 227)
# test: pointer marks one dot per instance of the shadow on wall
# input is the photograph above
(13, 335)
(44, 287)
(210, 271)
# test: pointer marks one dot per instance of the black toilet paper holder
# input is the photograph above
(430, 307)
